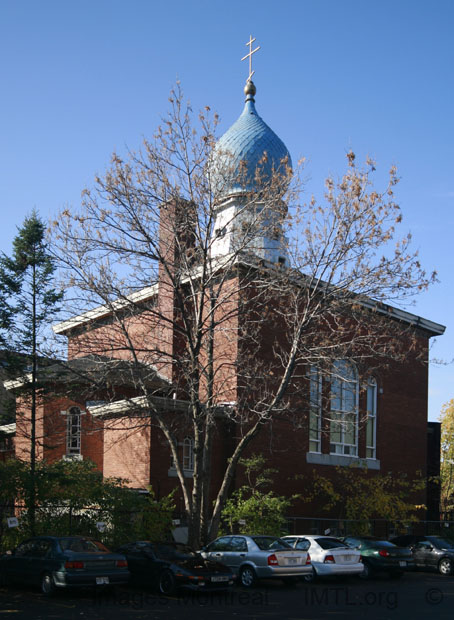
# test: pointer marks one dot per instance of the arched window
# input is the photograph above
(371, 424)
(344, 409)
(73, 424)
(188, 454)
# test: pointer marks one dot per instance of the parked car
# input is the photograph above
(329, 556)
(169, 566)
(429, 552)
(53, 562)
(257, 557)
(380, 556)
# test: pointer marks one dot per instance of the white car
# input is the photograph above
(329, 556)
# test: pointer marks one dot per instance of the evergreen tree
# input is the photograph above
(31, 302)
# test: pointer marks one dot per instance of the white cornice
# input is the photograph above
(106, 309)
(230, 260)
(8, 429)
(138, 403)
(13, 384)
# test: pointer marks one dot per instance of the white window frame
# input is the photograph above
(188, 454)
(344, 384)
(371, 422)
(73, 431)
(315, 410)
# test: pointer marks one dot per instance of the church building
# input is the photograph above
(123, 397)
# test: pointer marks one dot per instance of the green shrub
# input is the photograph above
(251, 509)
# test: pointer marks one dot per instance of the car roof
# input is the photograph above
(313, 536)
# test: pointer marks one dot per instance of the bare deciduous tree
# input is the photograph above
(227, 336)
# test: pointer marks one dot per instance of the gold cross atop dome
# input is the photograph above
(249, 55)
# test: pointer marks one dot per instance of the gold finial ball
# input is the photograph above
(250, 89)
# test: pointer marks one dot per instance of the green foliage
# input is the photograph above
(26, 278)
(72, 498)
(361, 495)
(447, 458)
(251, 509)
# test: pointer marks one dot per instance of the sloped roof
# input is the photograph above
(95, 369)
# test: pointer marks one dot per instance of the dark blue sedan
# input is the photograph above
(52, 562)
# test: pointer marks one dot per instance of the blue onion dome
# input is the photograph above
(248, 153)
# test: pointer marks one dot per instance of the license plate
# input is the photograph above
(292, 560)
(102, 581)
(402, 563)
(218, 579)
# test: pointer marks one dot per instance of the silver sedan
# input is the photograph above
(259, 557)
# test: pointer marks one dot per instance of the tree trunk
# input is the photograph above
(32, 497)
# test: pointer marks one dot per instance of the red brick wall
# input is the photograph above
(51, 432)
(401, 435)
(140, 454)
(127, 450)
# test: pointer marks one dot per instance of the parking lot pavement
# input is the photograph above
(417, 595)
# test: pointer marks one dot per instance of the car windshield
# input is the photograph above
(330, 543)
(173, 551)
(82, 545)
(440, 543)
(264, 543)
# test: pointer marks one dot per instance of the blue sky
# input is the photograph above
(82, 78)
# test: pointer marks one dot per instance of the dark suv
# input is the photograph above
(429, 552)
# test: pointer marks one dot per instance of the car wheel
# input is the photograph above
(310, 577)
(167, 584)
(248, 578)
(47, 584)
(367, 572)
(445, 566)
